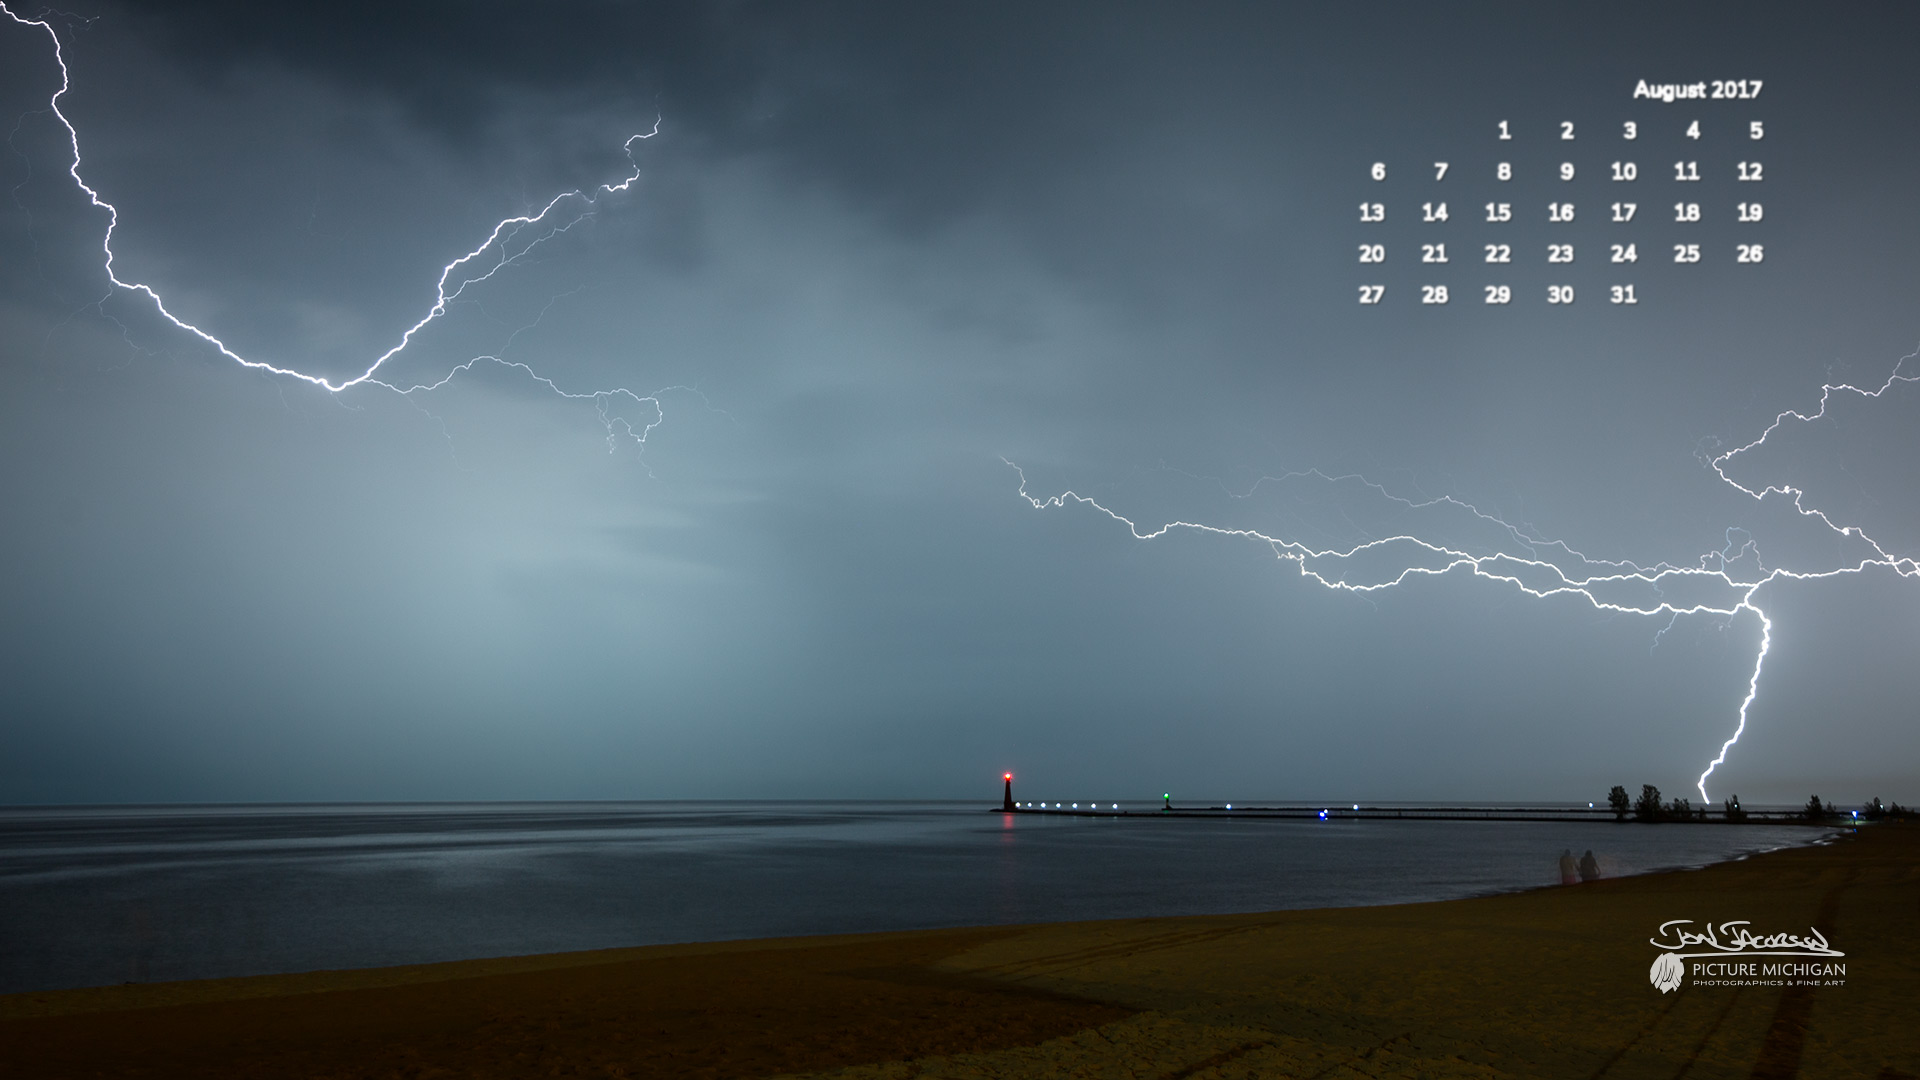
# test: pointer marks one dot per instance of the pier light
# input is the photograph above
(1323, 815)
(1356, 806)
(1229, 806)
(1008, 776)
(1116, 806)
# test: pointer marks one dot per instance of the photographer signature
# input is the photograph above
(1739, 939)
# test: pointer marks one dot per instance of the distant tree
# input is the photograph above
(1734, 810)
(1873, 810)
(1681, 809)
(1617, 798)
(1815, 810)
(1647, 806)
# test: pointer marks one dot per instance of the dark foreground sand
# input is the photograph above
(1547, 983)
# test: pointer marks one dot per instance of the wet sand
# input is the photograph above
(1547, 983)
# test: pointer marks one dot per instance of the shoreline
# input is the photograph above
(1471, 865)
(159, 993)
(1550, 981)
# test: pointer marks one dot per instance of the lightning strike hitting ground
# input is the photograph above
(1538, 570)
(502, 247)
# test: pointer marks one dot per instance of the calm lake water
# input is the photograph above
(92, 896)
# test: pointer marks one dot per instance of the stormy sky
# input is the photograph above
(874, 250)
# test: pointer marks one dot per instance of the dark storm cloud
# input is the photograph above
(930, 112)
(452, 63)
(934, 108)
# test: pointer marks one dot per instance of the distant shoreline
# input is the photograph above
(1418, 813)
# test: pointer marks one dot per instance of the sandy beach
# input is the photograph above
(1549, 983)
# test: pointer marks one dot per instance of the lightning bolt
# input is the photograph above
(1543, 568)
(504, 245)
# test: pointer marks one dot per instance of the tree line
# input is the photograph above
(1649, 807)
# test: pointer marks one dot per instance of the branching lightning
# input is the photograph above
(1542, 568)
(1537, 567)
(504, 245)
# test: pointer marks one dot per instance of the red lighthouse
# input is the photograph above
(1007, 802)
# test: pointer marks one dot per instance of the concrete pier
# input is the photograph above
(1350, 812)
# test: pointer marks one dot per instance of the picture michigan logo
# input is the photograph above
(1731, 954)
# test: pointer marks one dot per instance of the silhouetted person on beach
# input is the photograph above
(1589, 867)
(1569, 875)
